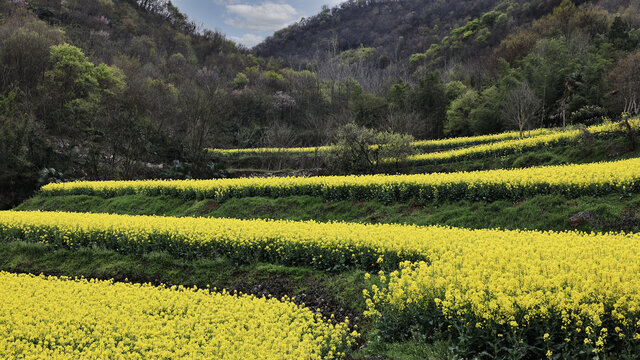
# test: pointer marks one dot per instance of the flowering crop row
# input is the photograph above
(420, 145)
(572, 180)
(519, 294)
(457, 142)
(516, 145)
(323, 245)
(49, 317)
(293, 151)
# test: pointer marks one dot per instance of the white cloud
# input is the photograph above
(248, 40)
(334, 2)
(265, 17)
(226, 2)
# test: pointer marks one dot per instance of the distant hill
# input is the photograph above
(397, 29)
(149, 30)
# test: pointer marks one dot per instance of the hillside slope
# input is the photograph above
(397, 29)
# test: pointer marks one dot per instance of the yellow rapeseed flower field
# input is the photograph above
(570, 293)
(517, 145)
(60, 318)
(563, 292)
(574, 180)
(420, 144)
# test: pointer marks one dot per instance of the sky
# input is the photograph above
(248, 22)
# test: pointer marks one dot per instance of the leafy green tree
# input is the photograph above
(455, 89)
(458, 114)
(368, 109)
(619, 34)
(429, 99)
(486, 118)
(241, 80)
(73, 89)
(556, 70)
(397, 97)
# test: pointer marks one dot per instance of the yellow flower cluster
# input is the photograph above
(268, 151)
(517, 145)
(573, 287)
(585, 179)
(61, 318)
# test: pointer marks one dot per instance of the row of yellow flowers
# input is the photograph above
(519, 145)
(573, 180)
(290, 151)
(327, 246)
(519, 294)
(421, 145)
(61, 318)
(510, 294)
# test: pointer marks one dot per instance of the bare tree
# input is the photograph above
(204, 108)
(625, 80)
(520, 106)
(279, 135)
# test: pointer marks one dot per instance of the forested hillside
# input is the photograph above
(441, 68)
(397, 29)
(133, 89)
(124, 89)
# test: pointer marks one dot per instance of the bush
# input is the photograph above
(360, 150)
(588, 115)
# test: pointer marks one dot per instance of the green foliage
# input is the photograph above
(359, 149)
(417, 58)
(588, 115)
(397, 96)
(72, 73)
(455, 89)
(619, 34)
(429, 99)
(484, 120)
(272, 76)
(18, 132)
(458, 114)
(357, 55)
(414, 349)
(76, 88)
(368, 109)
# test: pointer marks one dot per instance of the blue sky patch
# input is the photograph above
(248, 22)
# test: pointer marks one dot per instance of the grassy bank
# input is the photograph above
(333, 293)
(544, 212)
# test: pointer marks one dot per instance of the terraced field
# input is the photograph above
(210, 272)
(479, 152)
